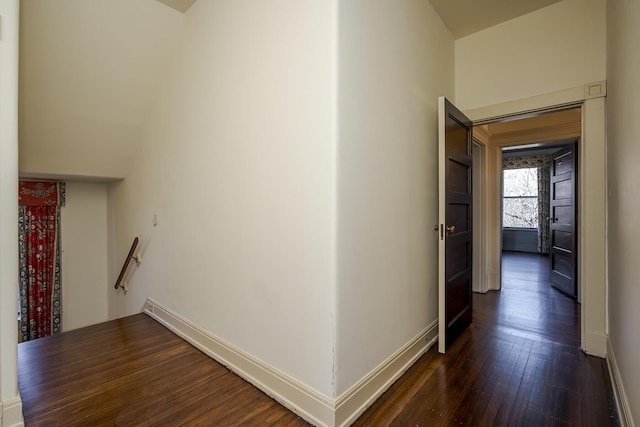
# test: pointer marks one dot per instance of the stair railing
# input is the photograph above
(130, 256)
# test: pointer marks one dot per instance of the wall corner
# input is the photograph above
(12, 413)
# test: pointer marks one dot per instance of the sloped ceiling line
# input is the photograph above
(179, 5)
(464, 17)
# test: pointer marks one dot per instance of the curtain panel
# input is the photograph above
(40, 289)
(542, 162)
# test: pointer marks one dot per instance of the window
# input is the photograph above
(520, 198)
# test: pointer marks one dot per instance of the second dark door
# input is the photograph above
(563, 220)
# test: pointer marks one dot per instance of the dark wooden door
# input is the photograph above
(455, 289)
(563, 220)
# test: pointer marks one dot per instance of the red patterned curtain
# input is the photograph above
(39, 246)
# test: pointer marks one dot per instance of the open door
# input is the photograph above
(455, 223)
(562, 229)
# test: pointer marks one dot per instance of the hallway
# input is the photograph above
(519, 364)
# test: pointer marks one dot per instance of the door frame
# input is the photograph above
(479, 274)
(592, 200)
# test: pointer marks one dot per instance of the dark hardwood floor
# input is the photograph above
(528, 302)
(135, 372)
(518, 364)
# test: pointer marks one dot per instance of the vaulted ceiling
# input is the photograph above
(464, 17)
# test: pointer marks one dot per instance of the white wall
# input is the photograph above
(395, 60)
(88, 73)
(623, 152)
(554, 48)
(238, 162)
(10, 405)
(84, 255)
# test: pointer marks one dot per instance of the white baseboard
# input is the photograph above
(313, 406)
(351, 404)
(309, 404)
(12, 413)
(594, 344)
(622, 403)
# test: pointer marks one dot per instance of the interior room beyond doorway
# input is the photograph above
(539, 188)
(527, 152)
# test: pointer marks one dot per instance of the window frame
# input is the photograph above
(503, 197)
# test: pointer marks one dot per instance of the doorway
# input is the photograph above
(538, 209)
(590, 100)
(536, 248)
(529, 150)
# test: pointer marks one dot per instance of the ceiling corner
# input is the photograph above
(465, 17)
(179, 5)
